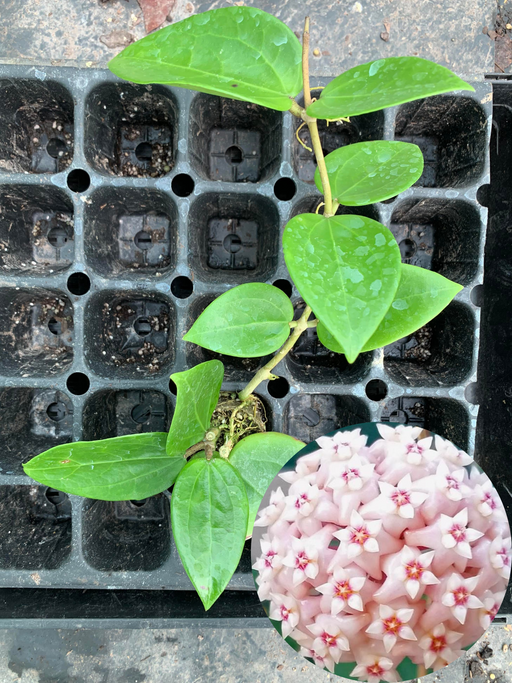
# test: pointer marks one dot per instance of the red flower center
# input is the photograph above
(269, 558)
(375, 670)
(342, 590)
(302, 560)
(301, 500)
(392, 625)
(452, 483)
(359, 535)
(329, 640)
(285, 613)
(400, 497)
(503, 553)
(458, 532)
(437, 643)
(461, 595)
(414, 448)
(413, 570)
(349, 474)
(489, 500)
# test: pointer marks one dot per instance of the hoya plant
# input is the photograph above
(217, 456)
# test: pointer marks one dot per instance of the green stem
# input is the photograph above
(264, 373)
(322, 168)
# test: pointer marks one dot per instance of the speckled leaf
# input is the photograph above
(421, 295)
(258, 459)
(383, 83)
(209, 511)
(197, 396)
(370, 172)
(347, 269)
(247, 321)
(123, 468)
(237, 52)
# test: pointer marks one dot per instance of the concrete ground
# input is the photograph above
(77, 32)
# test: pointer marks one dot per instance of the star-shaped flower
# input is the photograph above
(301, 500)
(413, 571)
(271, 559)
(343, 589)
(436, 644)
(273, 511)
(451, 453)
(500, 556)
(285, 609)
(343, 445)
(305, 466)
(349, 475)
(487, 501)
(489, 609)
(456, 534)
(398, 500)
(391, 625)
(329, 637)
(303, 559)
(459, 596)
(374, 668)
(451, 482)
(360, 535)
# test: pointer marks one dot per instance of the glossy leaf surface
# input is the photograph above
(238, 52)
(197, 396)
(209, 511)
(384, 83)
(258, 459)
(247, 321)
(347, 269)
(369, 172)
(420, 297)
(123, 468)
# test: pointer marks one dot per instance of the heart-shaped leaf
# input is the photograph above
(347, 269)
(209, 511)
(258, 459)
(129, 467)
(247, 321)
(368, 172)
(237, 52)
(420, 297)
(383, 83)
(196, 398)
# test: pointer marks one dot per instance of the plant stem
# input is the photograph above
(322, 168)
(264, 373)
(305, 63)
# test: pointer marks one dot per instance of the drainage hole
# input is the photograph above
(139, 503)
(182, 287)
(143, 240)
(144, 151)
(278, 388)
(234, 155)
(285, 189)
(57, 237)
(376, 390)
(78, 180)
(172, 387)
(284, 285)
(407, 248)
(142, 326)
(56, 147)
(55, 326)
(182, 185)
(477, 295)
(57, 411)
(79, 283)
(55, 497)
(78, 383)
(232, 243)
(141, 413)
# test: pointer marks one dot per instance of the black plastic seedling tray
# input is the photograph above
(125, 210)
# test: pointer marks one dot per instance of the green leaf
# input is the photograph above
(421, 295)
(246, 321)
(370, 172)
(196, 398)
(258, 459)
(347, 269)
(383, 83)
(237, 52)
(123, 468)
(209, 511)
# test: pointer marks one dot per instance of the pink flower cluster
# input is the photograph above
(381, 552)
